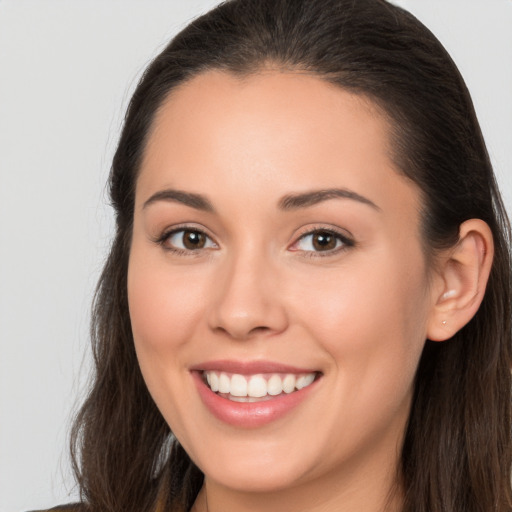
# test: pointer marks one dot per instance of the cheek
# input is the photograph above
(164, 307)
(370, 318)
(164, 303)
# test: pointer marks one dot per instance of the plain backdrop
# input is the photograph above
(67, 69)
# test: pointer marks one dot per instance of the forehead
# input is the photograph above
(272, 131)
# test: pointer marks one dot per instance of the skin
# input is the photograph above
(259, 290)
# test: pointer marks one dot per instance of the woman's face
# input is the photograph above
(275, 245)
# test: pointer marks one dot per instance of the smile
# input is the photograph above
(255, 388)
(253, 394)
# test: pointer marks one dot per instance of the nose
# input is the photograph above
(248, 301)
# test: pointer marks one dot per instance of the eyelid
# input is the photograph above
(342, 235)
(167, 233)
(345, 237)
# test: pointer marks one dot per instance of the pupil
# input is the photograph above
(323, 241)
(193, 240)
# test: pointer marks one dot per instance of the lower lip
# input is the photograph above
(250, 414)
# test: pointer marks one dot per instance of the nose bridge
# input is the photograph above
(248, 299)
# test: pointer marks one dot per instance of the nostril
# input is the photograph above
(241, 333)
(262, 328)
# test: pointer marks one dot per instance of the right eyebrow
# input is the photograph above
(196, 201)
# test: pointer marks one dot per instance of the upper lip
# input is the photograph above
(248, 367)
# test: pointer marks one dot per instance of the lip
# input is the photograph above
(250, 415)
(249, 367)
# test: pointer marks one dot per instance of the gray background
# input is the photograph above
(67, 69)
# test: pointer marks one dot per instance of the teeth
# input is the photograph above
(243, 399)
(213, 381)
(238, 385)
(224, 383)
(257, 386)
(244, 389)
(299, 384)
(274, 385)
(303, 381)
(289, 383)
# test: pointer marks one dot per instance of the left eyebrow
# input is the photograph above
(306, 199)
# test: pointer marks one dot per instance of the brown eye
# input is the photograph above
(324, 241)
(193, 240)
(188, 240)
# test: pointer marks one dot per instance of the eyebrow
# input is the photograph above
(286, 203)
(303, 200)
(196, 201)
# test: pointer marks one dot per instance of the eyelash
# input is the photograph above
(346, 242)
(166, 235)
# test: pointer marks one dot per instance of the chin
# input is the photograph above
(247, 465)
(258, 479)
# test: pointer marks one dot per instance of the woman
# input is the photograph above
(307, 302)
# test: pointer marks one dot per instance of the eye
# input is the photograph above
(322, 241)
(187, 240)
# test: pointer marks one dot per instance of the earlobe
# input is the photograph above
(462, 279)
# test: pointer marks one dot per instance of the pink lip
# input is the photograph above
(249, 414)
(249, 367)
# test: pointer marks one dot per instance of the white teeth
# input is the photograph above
(274, 385)
(238, 385)
(299, 384)
(304, 380)
(308, 379)
(257, 386)
(213, 381)
(243, 399)
(289, 383)
(224, 383)
(244, 389)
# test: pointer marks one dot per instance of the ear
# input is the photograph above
(460, 281)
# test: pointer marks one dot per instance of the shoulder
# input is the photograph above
(72, 507)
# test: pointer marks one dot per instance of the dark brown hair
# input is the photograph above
(456, 455)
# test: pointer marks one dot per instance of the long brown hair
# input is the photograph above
(457, 454)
